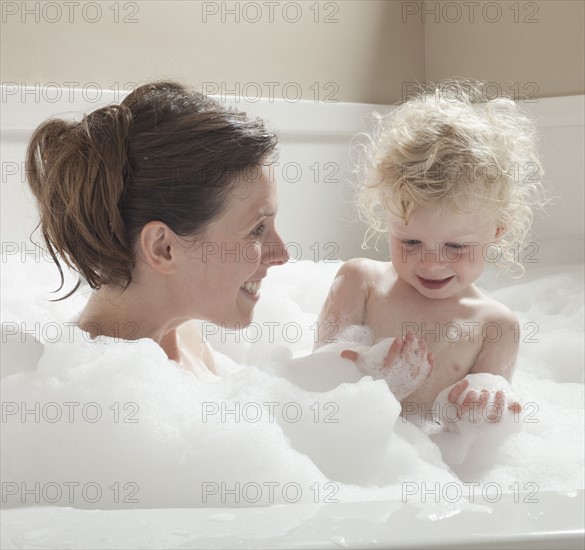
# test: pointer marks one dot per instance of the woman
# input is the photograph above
(165, 206)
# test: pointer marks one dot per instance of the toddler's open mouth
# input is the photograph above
(434, 284)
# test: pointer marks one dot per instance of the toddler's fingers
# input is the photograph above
(515, 407)
(351, 355)
(397, 345)
(496, 411)
(431, 359)
(457, 390)
(470, 399)
(409, 337)
(484, 397)
(394, 351)
(406, 342)
(421, 348)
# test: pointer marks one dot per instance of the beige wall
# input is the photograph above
(368, 53)
(530, 49)
(362, 54)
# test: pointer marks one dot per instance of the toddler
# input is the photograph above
(451, 175)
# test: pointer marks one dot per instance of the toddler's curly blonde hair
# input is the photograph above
(452, 145)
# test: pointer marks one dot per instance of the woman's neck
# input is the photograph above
(126, 315)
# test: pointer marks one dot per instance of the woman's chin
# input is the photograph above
(237, 316)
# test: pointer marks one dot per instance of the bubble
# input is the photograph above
(349, 433)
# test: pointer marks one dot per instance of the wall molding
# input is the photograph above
(23, 108)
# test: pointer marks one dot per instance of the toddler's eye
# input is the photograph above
(456, 246)
(411, 242)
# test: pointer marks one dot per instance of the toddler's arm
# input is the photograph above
(346, 302)
(497, 356)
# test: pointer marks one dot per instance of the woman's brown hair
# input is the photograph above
(166, 153)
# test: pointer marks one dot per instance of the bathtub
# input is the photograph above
(313, 163)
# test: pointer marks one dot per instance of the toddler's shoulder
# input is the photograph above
(503, 313)
(496, 312)
(360, 270)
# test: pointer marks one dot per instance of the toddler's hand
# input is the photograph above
(404, 367)
(481, 405)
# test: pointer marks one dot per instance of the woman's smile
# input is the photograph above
(251, 289)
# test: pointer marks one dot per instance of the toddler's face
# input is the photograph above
(441, 251)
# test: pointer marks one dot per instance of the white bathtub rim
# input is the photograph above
(555, 522)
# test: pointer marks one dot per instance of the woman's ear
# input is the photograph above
(158, 247)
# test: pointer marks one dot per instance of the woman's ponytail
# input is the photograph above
(76, 171)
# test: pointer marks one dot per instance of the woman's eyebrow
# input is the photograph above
(265, 212)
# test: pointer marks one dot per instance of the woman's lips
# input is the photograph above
(434, 284)
(250, 289)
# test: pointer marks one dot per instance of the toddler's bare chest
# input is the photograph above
(454, 334)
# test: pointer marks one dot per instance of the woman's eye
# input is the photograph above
(259, 230)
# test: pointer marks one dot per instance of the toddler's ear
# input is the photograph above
(499, 232)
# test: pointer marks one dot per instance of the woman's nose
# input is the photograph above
(274, 251)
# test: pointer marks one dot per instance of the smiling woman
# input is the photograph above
(165, 206)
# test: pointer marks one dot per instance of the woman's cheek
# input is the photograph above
(252, 254)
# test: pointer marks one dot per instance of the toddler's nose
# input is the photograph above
(432, 259)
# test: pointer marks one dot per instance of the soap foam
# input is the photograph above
(280, 417)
